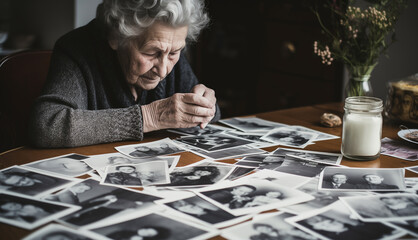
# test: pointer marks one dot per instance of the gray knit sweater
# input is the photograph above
(86, 99)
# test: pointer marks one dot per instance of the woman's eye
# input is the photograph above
(151, 54)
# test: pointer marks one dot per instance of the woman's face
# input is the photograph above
(202, 173)
(126, 169)
(148, 59)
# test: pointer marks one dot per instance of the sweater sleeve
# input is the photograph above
(60, 116)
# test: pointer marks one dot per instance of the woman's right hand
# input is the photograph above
(182, 110)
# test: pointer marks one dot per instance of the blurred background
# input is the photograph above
(256, 54)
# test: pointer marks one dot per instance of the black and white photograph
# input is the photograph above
(321, 135)
(198, 175)
(384, 207)
(213, 142)
(334, 222)
(100, 162)
(272, 227)
(60, 232)
(150, 149)
(263, 161)
(137, 175)
(362, 179)
(322, 199)
(109, 206)
(29, 213)
(227, 153)
(410, 226)
(324, 157)
(254, 137)
(30, 182)
(399, 149)
(71, 165)
(289, 137)
(251, 124)
(156, 226)
(282, 179)
(197, 131)
(245, 197)
(301, 167)
(203, 211)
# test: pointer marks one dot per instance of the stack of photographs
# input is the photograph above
(139, 192)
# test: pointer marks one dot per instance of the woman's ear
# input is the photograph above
(113, 43)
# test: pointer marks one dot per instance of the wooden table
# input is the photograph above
(305, 116)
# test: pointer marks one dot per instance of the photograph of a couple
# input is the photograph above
(243, 197)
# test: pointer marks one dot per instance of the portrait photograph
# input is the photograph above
(203, 211)
(323, 157)
(300, 167)
(213, 142)
(101, 161)
(322, 198)
(30, 182)
(251, 124)
(334, 222)
(155, 226)
(137, 175)
(384, 207)
(150, 149)
(197, 131)
(246, 197)
(29, 213)
(59, 232)
(71, 165)
(271, 227)
(362, 179)
(289, 137)
(109, 206)
(399, 149)
(198, 175)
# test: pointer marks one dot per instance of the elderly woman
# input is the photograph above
(123, 75)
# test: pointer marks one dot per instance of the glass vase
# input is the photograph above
(358, 83)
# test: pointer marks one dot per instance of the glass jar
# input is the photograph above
(362, 128)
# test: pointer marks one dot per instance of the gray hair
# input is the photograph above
(130, 18)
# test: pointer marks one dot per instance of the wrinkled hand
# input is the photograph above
(182, 110)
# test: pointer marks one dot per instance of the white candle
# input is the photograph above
(362, 135)
(362, 128)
